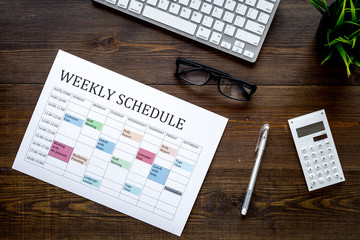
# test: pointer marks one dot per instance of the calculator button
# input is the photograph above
(327, 143)
(334, 169)
(317, 167)
(327, 171)
(303, 150)
(323, 158)
(316, 160)
(306, 157)
(325, 164)
(328, 178)
(313, 182)
(311, 176)
(309, 169)
(312, 147)
(321, 151)
(329, 149)
(307, 163)
(331, 155)
(319, 173)
(313, 154)
(321, 180)
(319, 145)
(337, 175)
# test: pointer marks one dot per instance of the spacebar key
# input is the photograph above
(169, 20)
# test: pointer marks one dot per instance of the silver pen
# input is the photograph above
(260, 147)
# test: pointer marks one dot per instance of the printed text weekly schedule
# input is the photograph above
(120, 143)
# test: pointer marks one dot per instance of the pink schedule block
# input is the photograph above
(60, 151)
(145, 156)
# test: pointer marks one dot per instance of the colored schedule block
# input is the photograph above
(183, 165)
(158, 174)
(132, 189)
(60, 151)
(121, 163)
(80, 159)
(145, 156)
(168, 150)
(73, 120)
(93, 124)
(132, 135)
(105, 145)
(91, 181)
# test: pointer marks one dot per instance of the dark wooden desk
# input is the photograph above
(290, 82)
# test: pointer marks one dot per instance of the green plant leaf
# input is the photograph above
(353, 11)
(321, 6)
(345, 58)
(340, 40)
(328, 57)
(357, 63)
(340, 20)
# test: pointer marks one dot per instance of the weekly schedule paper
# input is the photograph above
(119, 143)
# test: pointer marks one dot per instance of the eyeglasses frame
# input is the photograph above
(217, 75)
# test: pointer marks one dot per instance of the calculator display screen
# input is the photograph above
(310, 129)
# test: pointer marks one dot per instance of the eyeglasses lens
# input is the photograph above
(193, 75)
(234, 89)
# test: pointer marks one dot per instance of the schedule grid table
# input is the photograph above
(108, 151)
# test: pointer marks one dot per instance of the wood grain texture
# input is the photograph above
(290, 82)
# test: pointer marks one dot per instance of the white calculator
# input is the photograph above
(316, 150)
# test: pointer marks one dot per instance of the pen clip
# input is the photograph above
(262, 131)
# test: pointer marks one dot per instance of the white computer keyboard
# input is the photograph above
(237, 27)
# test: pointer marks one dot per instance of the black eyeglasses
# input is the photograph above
(198, 74)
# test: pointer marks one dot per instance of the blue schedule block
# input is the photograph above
(183, 165)
(158, 174)
(132, 189)
(105, 145)
(73, 120)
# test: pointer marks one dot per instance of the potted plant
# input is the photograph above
(338, 33)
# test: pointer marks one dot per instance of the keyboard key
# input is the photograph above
(207, 21)
(184, 2)
(151, 2)
(135, 6)
(252, 13)
(203, 33)
(196, 17)
(237, 49)
(111, 1)
(247, 37)
(123, 3)
(163, 4)
(217, 12)
(226, 45)
(169, 20)
(206, 8)
(195, 4)
(255, 27)
(250, 2)
(219, 2)
(265, 6)
(229, 30)
(239, 21)
(174, 8)
(219, 26)
(228, 17)
(230, 5)
(263, 18)
(239, 44)
(215, 38)
(241, 9)
(185, 12)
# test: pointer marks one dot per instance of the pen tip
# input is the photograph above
(243, 212)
